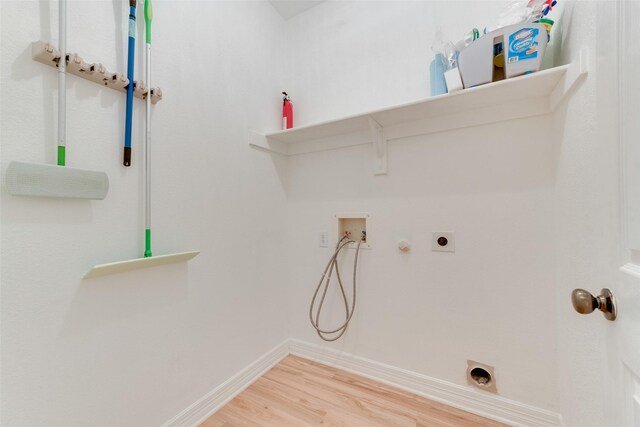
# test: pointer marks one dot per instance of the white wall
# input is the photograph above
(493, 185)
(136, 349)
(588, 220)
(352, 56)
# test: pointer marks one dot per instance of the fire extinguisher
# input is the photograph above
(287, 112)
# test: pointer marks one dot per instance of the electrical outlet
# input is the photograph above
(443, 241)
(323, 239)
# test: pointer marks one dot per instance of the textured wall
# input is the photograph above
(137, 348)
(493, 185)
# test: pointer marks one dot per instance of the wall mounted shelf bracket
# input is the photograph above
(379, 148)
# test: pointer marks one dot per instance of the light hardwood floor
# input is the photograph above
(299, 392)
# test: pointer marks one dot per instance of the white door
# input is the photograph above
(624, 353)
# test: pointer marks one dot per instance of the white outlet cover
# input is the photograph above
(323, 239)
(451, 243)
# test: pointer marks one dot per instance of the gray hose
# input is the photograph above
(331, 265)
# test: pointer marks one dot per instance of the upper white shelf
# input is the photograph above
(522, 88)
(531, 95)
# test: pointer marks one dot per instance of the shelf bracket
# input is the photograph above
(379, 148)
(261, 142)
(578, 69)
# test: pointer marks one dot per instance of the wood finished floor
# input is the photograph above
(299, 392)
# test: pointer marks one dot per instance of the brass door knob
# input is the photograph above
(585, 303)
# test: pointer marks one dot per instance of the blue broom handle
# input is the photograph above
(130, 68)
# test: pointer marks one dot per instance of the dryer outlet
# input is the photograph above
(443, 241)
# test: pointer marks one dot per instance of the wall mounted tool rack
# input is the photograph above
(47, 54)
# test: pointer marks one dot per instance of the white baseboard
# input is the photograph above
(219, 396)
(466, 398)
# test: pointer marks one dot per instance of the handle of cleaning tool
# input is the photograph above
(148, 16)
(130, 68)
(62, 86)
(147, 243)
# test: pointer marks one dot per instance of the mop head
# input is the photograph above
(40, 180)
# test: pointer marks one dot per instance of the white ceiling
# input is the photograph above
(291, 8)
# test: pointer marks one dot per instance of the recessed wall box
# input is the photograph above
(482, 376)
(356, 226)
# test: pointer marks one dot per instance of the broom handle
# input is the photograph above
(148, 15)
(130, 72)
(62, 89)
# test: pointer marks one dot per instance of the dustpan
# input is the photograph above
(43, 180)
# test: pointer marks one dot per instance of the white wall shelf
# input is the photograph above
(526, 96)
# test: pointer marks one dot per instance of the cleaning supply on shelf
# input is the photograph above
(548, 24)
(522, 11)
(512, 47)
(438, 66)
(523, 47)
(287, 112)
(453, 80)
(470, 37)
(438, 82)
(449, 53)
(549, 8)
(476, 62)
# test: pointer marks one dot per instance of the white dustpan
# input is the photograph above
(42, 180)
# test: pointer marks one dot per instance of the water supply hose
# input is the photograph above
(331, 265)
